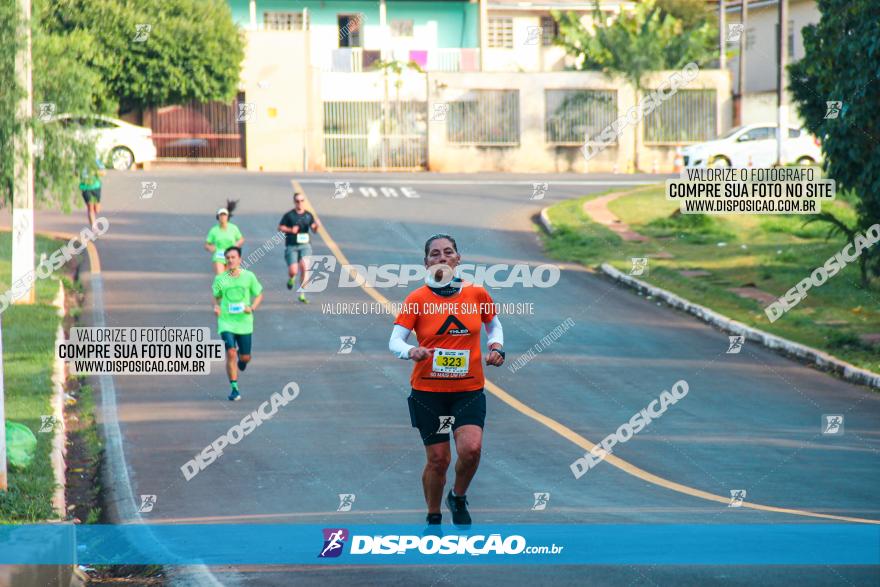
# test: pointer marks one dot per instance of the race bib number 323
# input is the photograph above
(451, 361)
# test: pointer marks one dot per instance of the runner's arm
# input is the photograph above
(495, 333)
(257, 301)
(397, 344)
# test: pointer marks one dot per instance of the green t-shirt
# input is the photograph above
(89, 180)
(235, 294)
(222, 239)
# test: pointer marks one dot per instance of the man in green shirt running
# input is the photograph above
(237, 294)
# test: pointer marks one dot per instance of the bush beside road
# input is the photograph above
(28, 355)
(767, 253)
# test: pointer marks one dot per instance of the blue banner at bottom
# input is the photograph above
(223, 544)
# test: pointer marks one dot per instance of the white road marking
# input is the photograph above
(118, 481)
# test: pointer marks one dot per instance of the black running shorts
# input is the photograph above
(437, 413)
(242, 341)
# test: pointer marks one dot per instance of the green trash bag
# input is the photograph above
(21, 444)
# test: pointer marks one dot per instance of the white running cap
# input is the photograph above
(222, 211)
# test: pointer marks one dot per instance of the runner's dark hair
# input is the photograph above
(230, 205)
(439, 236)
(233, 248)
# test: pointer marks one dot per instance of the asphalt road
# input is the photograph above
(750, 420)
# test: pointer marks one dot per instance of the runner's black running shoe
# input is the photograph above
(458, 506)
(433, 528)
(242, 366)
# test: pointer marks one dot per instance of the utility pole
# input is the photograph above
(742, 60)
(23, 183)
(781, 113)
(722, 35)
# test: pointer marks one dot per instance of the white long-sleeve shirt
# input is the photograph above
(400, 348)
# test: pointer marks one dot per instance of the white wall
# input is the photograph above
(761, 59)
(533, 154)
(287, 125)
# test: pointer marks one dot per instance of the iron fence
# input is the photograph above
(195, 132)
(575, 116)
(362, 135)
(685, 117)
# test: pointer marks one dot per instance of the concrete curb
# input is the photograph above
(816, 357)
(544, 220)
(59, 442)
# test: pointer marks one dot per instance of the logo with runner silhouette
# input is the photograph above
(639, 266)
(148, 502)
(346, 500)
(447, 328)
(48, 423)
(541, 501)
(736, 498)
(446, 423)
(334, 540)
(735, 344)
(832, 424)
(320, 267)
(342, 189)
(346, 344)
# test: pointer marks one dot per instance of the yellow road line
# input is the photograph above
(576, 438)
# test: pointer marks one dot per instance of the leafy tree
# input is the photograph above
(63, 81)
(191, 50)
(648, 38)
(86, 61)
(692, 13)
(842, 63)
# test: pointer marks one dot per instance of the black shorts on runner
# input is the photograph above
(90, 196)
(430, 412)
(242, 341)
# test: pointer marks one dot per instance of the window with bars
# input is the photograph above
(500, 32)
(577, 116)
(685, 117)
(401, 28)
(549, 30)
(484, 117)
(283, 21)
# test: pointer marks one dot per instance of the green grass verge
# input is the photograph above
(771, 253)
(28, 353)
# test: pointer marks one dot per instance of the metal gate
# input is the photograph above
(199, 132)
(366, 135)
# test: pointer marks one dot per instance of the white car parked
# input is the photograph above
(753, 145)
(122, 144)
